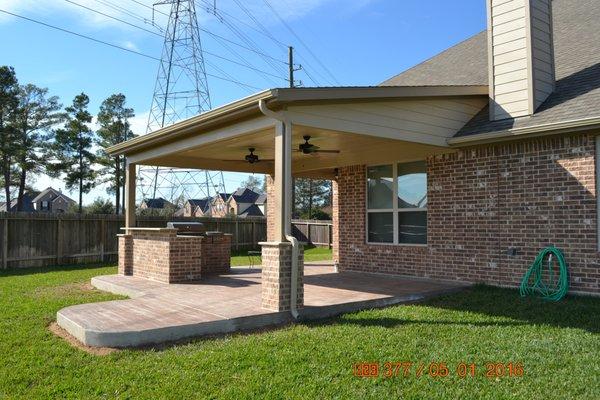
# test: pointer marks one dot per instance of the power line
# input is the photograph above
(245, 65)
(219, 36)
(113, 45)
(114, 18)
(289, 28)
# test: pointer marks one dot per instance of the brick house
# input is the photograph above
(461, 168)
(245, 202)
(51, 200)
(197, 207)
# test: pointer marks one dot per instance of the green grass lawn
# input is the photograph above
(240, 258)
(558, 344)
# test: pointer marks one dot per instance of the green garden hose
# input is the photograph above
(545, 282)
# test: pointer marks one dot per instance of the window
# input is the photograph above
(45, 205)
(397, 203)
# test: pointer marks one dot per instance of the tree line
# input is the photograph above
(38, 135)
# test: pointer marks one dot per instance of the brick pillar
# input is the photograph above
(270, 212)
(125, 255)
(276, 276)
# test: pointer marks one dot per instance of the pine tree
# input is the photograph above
(36, 113)
(72, 149)
(310, 194)
(114, 128)
(8, 102)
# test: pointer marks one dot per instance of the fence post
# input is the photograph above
(254, 241)
(5, 243)
(102, 238)
(59, 241)
(237, 235)
(308, 232)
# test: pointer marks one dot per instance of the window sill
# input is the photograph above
(397, 244)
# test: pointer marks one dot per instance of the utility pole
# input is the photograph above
(291, 65)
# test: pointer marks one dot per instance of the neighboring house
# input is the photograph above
(218, 205)
(490, 150)
(156, 204)
(197, 207)
(52, 201)
(27, 203)
(261, 203)
(243, 203)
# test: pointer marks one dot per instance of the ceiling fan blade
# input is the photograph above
(233, 160)
(327, 151)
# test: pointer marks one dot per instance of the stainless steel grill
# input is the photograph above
(188, 228)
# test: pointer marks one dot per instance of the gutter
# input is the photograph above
(262, 105)
(538, 130)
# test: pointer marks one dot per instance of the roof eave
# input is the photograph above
(517, 133)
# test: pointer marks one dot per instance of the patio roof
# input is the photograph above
(367, 124)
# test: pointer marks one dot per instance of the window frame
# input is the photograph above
(395, 210)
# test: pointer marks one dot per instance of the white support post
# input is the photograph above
(130, 177)
(283, 179)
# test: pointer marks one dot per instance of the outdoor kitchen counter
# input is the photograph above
(160, 254)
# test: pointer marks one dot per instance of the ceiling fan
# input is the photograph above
(250, 158)
(309, 148)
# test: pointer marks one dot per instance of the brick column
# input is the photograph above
(276, 276)
(125, 254)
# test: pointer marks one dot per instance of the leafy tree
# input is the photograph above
(36, 113)
(8, 103)
(100, 206)
(72, 151)
(311, 194)
(254, 183)
(316, 214)
(114, 128)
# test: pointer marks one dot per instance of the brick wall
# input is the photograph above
(163, 256)
(216, 253)
(481, 201)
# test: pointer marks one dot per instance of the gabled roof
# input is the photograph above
(245, 195)
(54, 194)
(202, 204)
(27, 203)
(262, 199)
(577, 59)
(252, 211)
(463, 64)
(157, 203)
(224, 196)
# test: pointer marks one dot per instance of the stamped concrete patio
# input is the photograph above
(158, 312)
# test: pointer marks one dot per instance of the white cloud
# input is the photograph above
(132, 12)
(128, 44)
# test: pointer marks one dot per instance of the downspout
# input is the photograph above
(288, 228)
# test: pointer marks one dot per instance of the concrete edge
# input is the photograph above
(110, 287)
(140, 338)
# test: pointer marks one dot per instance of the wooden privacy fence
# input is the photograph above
(318, 233)
(37, 239)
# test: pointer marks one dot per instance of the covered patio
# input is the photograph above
(275, 132)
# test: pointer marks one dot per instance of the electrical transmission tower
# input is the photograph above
(181, 91)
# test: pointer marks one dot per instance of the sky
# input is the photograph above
(337, 42)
